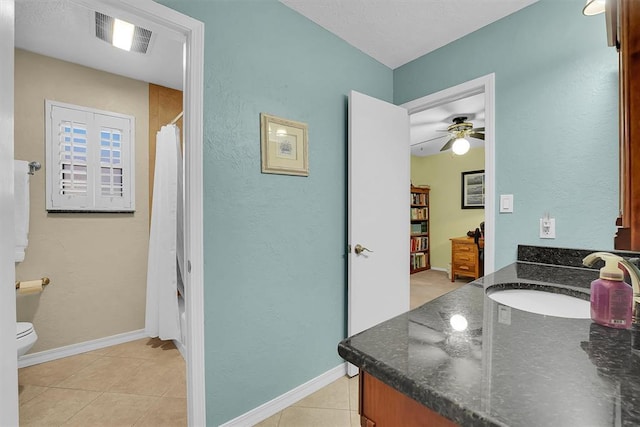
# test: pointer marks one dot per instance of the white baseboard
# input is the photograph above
(83, 347)
(438, 268)
(287, 399)
(181, 348)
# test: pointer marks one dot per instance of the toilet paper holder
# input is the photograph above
(45, 281)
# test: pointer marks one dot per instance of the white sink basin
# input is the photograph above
(542, 302)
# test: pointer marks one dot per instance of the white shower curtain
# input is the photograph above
(165, 238)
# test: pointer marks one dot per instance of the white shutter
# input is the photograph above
(68, 157)
(90, 159)
(115, 158)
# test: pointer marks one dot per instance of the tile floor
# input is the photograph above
(142, 383)
(336, 405)
(139, 383)
(430, 284)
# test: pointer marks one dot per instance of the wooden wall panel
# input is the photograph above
(628, 235)
(164, 105)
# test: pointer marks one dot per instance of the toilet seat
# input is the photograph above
(26, 337)
(23, 329)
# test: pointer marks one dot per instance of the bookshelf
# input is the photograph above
(419, 258)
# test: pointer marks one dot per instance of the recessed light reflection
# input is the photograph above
(458, 322)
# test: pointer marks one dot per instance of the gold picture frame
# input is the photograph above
(284, 146)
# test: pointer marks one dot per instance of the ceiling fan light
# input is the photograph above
(594, 7)
(460, 146)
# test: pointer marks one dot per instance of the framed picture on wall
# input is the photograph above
(473, 190)
(283, 146)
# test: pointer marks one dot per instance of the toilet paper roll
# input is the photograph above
(30, 287)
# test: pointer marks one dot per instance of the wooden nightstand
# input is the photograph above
(465, 259)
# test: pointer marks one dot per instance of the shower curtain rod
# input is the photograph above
(173, 122)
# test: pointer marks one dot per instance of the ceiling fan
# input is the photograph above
(460, 130)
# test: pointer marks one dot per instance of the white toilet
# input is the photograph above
(26, 336)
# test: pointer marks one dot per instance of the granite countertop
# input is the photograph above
(509, 367)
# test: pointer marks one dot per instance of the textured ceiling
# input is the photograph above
(393, 32)
(64, 29)
(398, 31)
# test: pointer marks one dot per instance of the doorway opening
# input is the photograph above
(475, 101)
(192, 32)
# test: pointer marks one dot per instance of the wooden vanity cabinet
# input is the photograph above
(383, 406)
(625, 17)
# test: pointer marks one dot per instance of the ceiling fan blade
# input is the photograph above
(477, 135)
(449, 143)
(428, 140)
(477, 129)
(425, 123)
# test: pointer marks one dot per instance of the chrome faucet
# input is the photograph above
(634, 273)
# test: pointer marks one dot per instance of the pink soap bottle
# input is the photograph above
(611, 297)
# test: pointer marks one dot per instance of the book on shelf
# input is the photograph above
(419, 244)
(419, 199)
(419, 213)
(418, 260)
(420, 228)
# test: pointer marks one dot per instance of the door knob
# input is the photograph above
(359, 249)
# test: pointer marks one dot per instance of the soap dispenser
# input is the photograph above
(611, 297)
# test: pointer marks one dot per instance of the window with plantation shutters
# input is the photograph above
(90, 162)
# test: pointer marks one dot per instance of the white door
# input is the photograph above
(8, 354)
(379, 200)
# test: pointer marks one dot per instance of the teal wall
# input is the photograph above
(273, 244)
(274, 266)
(556, 119)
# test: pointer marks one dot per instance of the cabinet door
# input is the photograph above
(382, 405)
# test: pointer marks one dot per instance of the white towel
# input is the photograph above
(21, 212)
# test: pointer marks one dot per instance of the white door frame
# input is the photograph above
(8, 351)
(482, 84)
(193, 88)
(193, 31)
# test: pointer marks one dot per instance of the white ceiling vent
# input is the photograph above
(104, 31)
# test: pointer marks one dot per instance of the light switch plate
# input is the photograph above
(506, 203)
